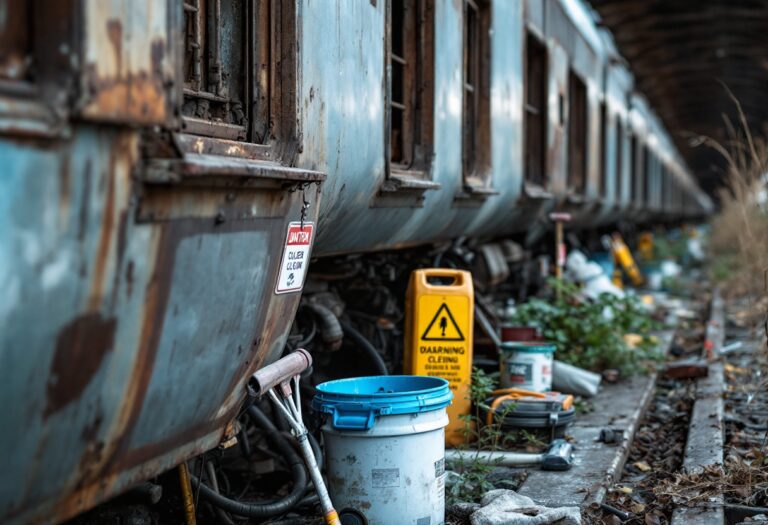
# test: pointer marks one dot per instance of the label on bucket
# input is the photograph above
(439, 467)
(382, 478)
(520, 373)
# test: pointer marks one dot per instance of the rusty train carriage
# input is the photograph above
(153, 154)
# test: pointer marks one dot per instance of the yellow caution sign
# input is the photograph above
(438, 332)
(623, 256)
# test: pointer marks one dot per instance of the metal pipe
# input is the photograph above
(223, 516)
(487, 326)
(288, 406)
(331, 517)
(499, 458)
(186, 494)
(281, 371)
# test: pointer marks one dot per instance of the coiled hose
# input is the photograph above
(262, 510)
(365, 344)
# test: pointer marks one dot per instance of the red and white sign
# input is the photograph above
(293, 266)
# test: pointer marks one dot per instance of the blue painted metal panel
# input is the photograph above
(343, 111)
(125, 342)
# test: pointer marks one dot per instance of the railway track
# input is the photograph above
(699, 455)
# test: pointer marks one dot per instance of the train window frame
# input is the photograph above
(414, 21)
(536, 48)
(578, 128)
(268, 70)
(645, 181)
(16, 45)
(634, 144)
(37, 102)
(619, 185)
(602, 189)
(476, 97)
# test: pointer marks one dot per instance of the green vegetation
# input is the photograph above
(590, 334)
(472, 479)
(669, 247)
(473, 482)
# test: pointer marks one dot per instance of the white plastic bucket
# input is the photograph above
(527, 365)
(385, 447)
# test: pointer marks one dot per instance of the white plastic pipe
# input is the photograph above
(500, 458)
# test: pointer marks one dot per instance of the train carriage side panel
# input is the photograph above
(140, 280)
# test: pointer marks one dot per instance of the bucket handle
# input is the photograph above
(353, 418)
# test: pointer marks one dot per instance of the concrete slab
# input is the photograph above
(597, 465)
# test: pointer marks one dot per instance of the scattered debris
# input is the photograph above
(687, 369)
(506, 507)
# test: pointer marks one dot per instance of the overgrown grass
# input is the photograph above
(739, 236)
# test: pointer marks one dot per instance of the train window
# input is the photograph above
(603, 189)
(535, 112)
(619, 160)
(410, 57)
(232, 75)
(645, 174)
(577, 134)
(633, 169)
(476, 110)
(15, 41)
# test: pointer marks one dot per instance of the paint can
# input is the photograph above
(385, 446)
(519, 333)
(527, 365)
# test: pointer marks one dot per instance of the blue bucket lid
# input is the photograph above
(354, 403)
(530, 347)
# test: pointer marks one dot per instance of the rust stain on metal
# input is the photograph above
(133, 90)
(65, 196)
(122, 233)
(136, 95)
(107, 228)
(115, 34)
(84, 201)
(80, 349)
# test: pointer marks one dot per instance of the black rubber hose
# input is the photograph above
(262, 510)
(245, 445)
(330, 327)
(365, 344)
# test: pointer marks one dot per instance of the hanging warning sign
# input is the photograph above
(443, 327)
(293, 265)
